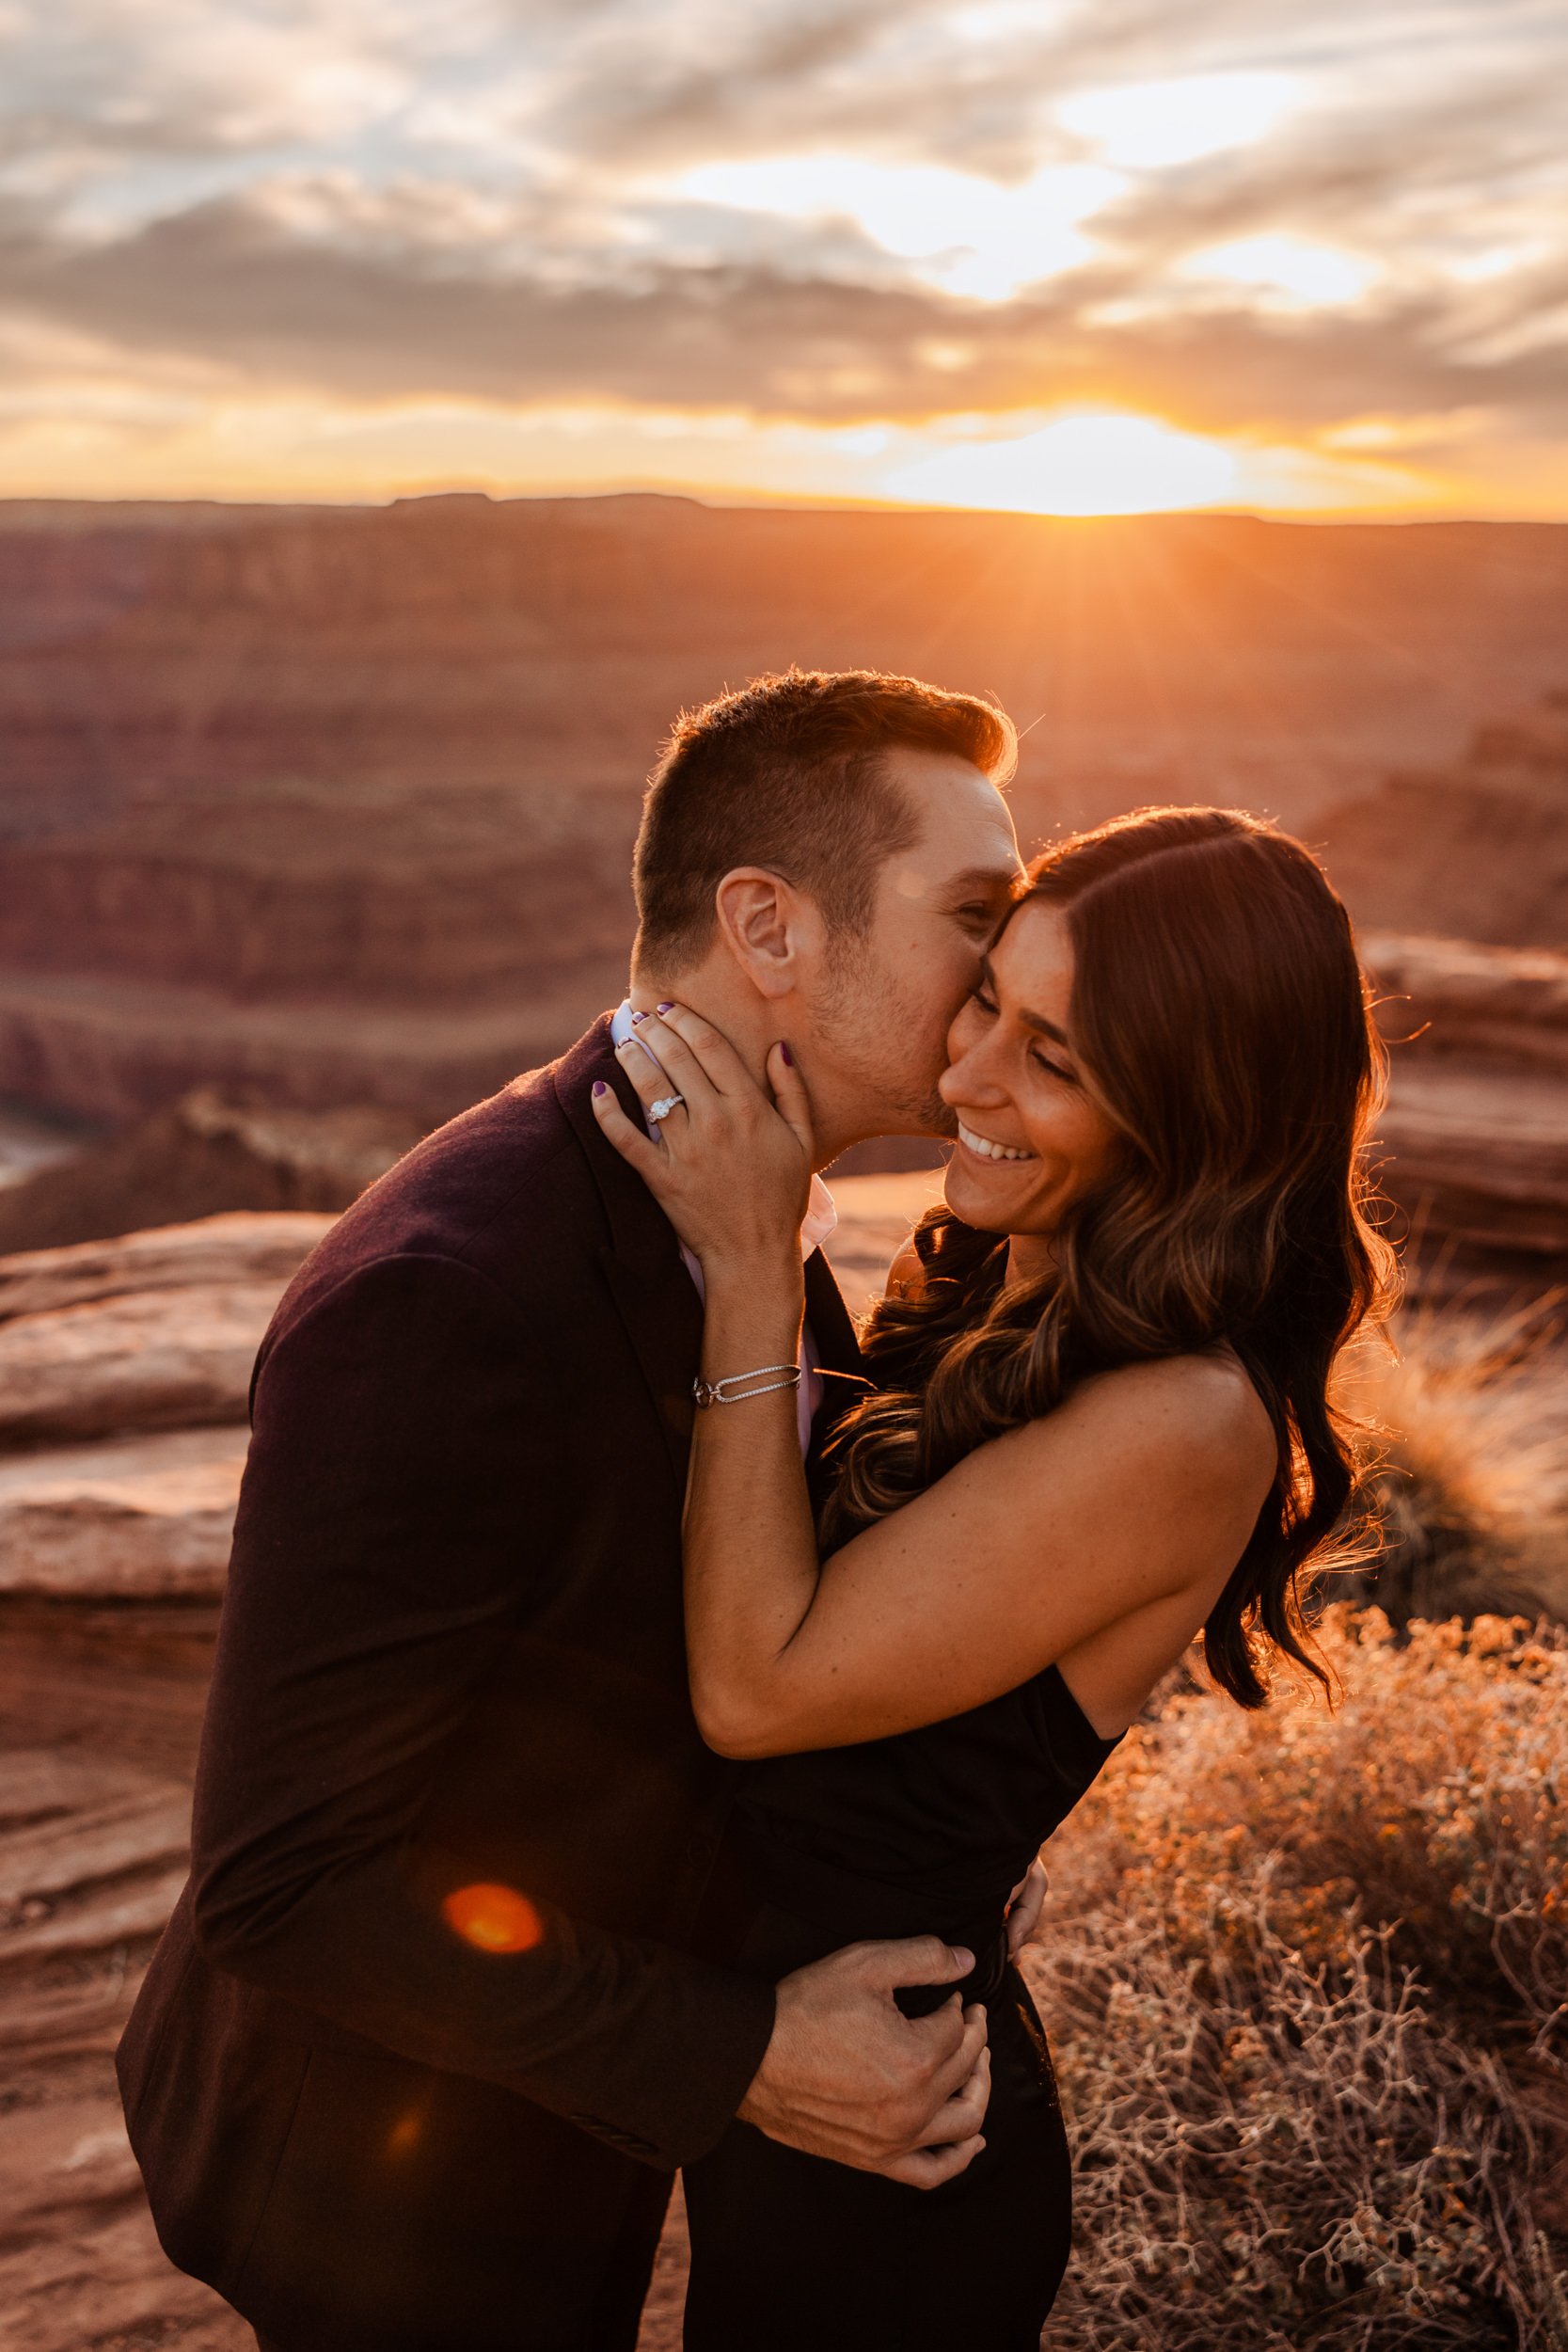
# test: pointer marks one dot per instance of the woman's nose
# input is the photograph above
(971, 1077)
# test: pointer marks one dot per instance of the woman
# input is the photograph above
(1100, 1428)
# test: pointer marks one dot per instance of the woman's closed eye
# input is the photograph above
(1051, 1069)
(979, 995)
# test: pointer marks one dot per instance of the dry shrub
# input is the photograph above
(1303, 1974)
(1471, 1491)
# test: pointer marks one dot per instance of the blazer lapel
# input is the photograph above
(654, 1294)
(832, 1329)
(838, 1355)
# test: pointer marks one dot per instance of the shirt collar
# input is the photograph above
(821, 1217)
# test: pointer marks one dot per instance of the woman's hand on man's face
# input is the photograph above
(732, 1163)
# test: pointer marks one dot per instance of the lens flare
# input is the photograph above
(493, 1919)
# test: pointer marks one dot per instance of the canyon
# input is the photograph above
(335, 806)
(315, 825)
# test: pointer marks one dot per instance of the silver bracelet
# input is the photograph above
(712, 1391)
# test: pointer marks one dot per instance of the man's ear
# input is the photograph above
(774, 932)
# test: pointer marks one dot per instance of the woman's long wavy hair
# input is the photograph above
(1221, 1019)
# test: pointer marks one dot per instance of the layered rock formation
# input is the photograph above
(1475, 849)
(91, 1859)
(337, 805)
(1473, 1141)
(123, 1369)
(204, 1154)
(144, 1518)
(263, 1250)
(124, 1373)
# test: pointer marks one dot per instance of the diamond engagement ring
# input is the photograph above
(662, 1109)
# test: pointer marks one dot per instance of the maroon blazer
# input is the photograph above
(451, 1655)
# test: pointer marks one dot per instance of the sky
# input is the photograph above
(1070, 256)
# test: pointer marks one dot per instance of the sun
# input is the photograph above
(1086, 463)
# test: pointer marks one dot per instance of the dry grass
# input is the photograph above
(1472, 1491)
(1303, 1974)
(1306, 1971)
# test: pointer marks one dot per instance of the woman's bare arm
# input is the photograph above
(1140, 1489)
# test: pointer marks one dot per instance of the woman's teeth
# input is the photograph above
(989, 1151)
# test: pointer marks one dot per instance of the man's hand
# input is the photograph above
(847, 2076)
(1024, 1905)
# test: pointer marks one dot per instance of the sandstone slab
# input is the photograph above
(1477, 1159)
(91, 1851)
(242, 1246)
(149, 1359)
(148, 1516)
(1506, 1008)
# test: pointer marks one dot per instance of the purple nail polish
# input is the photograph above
(669, 1008)
(599, 1088)
(785, 1052)
(640, 1016)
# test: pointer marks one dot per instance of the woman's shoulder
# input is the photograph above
(1200, 1413)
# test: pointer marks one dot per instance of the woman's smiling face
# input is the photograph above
(1032, 1140)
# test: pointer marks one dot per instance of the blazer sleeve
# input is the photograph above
(376, 1568)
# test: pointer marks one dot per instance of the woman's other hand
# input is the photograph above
(732, 1164)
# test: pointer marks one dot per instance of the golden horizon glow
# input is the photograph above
(1376, 465)
(1088, 462)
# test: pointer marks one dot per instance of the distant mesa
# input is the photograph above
(205, 1153)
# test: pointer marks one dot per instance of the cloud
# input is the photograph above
(370, 200)
(370, 310)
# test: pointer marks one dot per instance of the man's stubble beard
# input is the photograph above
(874, 1042)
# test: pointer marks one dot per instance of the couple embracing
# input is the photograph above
(642, 1698)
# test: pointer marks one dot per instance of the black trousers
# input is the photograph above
(790, 2251)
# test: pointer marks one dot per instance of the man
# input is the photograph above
(445, 2001)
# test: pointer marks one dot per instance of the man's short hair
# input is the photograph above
(787, 773)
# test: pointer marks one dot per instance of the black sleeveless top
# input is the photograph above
(926, 1832)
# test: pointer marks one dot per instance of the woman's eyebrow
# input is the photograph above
(1046, 1028)
(1030, 1019)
